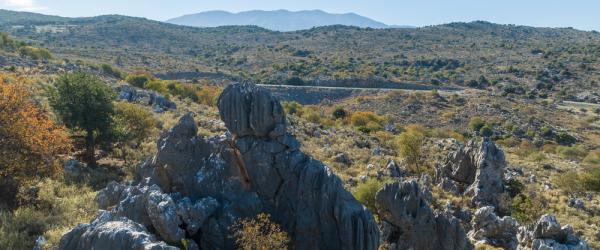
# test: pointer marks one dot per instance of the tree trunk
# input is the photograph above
(89, 148)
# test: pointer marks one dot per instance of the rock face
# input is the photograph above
(490, 229)
(409, 222)
(195, 188)
(477, 170)
(147, 97)
(547, 233)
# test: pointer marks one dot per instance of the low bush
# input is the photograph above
(259, 233)
(138, 80)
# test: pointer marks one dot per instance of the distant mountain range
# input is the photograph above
(278, 20)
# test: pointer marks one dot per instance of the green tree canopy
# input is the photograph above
(84, 102)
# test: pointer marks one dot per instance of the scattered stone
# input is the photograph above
(576, 203)
(464, 215)
(40, 241)
(343, 159)
(547, 233)
(363, 178)
(409, 222)
(488, 228)
(532, 179)
(370, 167)
(158, 102)
(393, 170)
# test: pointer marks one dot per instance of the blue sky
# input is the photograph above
(581, 14)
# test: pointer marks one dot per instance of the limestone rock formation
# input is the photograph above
(110, 232)
(477, 170)
(409, 222)
(547, 233)
(492, 230)
(195, 188)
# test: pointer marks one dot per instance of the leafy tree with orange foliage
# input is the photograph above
(29, 140)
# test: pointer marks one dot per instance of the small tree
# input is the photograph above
(410, 145)
(259, 234)
(365, 193)
(84, 102)
(132, 124)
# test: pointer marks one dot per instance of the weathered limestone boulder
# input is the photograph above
(547, 233)
(409, 222)
(477, 170)
(110, 232)
(488, 228)
(248, 110)
(162, 211)
(195, 188)
(110, 195)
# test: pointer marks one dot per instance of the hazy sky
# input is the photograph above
(581, 14)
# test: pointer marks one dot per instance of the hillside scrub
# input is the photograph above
(50, 211)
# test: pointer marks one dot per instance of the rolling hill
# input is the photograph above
(511, 59)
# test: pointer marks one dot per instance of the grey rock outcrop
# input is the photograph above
(146, 97)
(488, 228)
(197, 187)
(477, 170)
(110, 232)
(409, 222)
(547, 233)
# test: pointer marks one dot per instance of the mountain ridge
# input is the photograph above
(277, 20)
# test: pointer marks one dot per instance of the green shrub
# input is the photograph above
(138, 80)
(409, 145)
(367, 121)
(564, 138)
(111, 71)
(514, 187)
(365, 193)
(476, 123)
(291, 108)
(339, 113)
(525, 209)
(486, 131)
